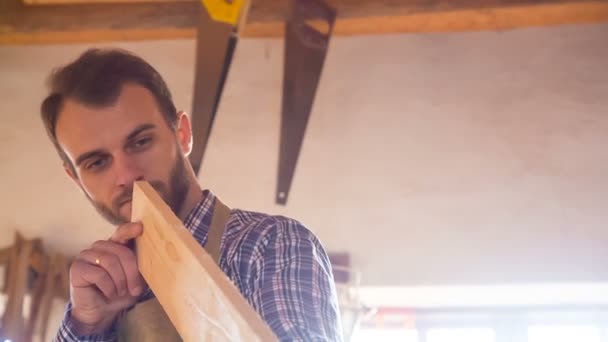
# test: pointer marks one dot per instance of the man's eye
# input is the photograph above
(140, 143)
(96, 164)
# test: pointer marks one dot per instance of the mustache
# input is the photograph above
(125, 196)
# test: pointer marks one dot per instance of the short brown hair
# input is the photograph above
(96, 79)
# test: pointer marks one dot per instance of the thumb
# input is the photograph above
(126, 232)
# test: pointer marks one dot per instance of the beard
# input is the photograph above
(174, 193)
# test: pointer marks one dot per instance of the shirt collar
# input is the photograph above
(198, 220)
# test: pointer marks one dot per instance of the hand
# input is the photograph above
(104, 280)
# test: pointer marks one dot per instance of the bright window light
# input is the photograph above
(561, 333)
(461, 335)
(385, 335)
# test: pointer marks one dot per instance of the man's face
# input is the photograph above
(110, 147)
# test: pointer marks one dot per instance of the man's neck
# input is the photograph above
(194, 196)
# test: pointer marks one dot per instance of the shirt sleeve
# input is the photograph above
(292, 284)
(66, 331)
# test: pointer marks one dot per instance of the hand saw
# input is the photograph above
(217, 36)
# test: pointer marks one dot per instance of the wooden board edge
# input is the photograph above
(145, 196)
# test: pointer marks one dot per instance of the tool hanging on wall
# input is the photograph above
(216, 39)
(309, 27)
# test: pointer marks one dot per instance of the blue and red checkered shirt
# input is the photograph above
(278, 265)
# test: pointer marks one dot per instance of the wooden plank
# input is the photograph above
(37, 294)
(5, 254)
(38, 259)
(104, 22)
(6, 259)
(49, 290)
(63, 267)
(201, 302)
(13, 262)
(13, 322)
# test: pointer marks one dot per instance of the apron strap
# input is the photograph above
(221, 214)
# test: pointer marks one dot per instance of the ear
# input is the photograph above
(184, 133)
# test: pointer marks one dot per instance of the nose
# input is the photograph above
(127, 171)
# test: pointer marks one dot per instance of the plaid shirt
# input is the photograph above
(277, 264)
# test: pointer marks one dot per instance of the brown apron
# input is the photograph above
(147, 321)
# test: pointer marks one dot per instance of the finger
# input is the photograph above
(134, 281)
(111, 263)
(126, 232)
(83, 274)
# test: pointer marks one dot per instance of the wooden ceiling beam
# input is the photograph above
(80, 2)
(21, 24)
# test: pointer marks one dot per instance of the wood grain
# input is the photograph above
(201, 302)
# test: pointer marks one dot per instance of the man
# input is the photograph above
(112, 120)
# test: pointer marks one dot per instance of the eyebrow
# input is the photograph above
(83, 157)
(138, 130)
